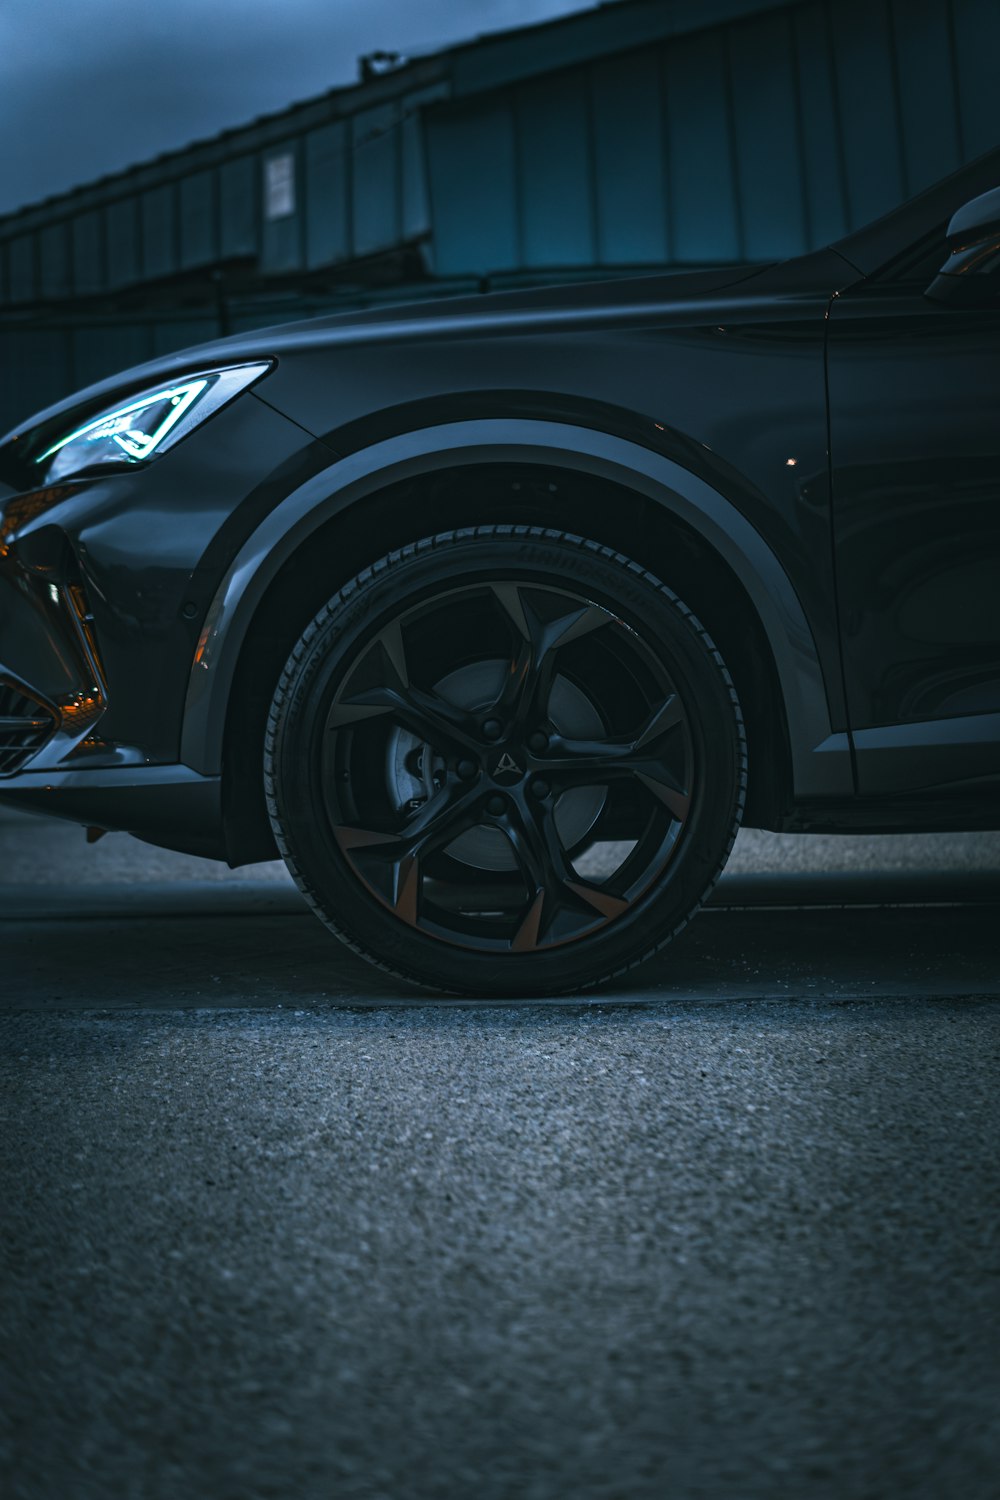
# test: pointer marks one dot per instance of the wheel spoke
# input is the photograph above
(526, 936)
(602, 901)
(662, 785)
(428, 715)
(389, 691)
(526, 690)
(442, 818)
(539, 850)
(668, 716)
(551, 879)
(394, 860)
(406, 888)
(595, 762)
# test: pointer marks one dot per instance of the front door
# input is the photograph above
(914, 391)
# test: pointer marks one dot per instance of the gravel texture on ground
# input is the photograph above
(273, 1229)
(692, 1252)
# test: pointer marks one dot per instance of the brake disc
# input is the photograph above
(414, 771)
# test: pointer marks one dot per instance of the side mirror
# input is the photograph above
(971, 274)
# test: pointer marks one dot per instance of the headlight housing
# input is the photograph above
(146, 425)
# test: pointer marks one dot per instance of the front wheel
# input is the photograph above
(505, 761)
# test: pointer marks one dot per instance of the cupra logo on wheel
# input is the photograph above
(507, 766)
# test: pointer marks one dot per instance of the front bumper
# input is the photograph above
(169, 805)
(54, 695)
(60, 753)
(53, 689)
(105, 582)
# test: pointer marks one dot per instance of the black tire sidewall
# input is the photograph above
(331, 645)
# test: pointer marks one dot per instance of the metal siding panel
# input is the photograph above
(34, 372)
(826, 205)
(88, 258)
(238, 212)
(471, 166)
(628, 161)
(977, 46)
(767, 132)
(556, 173)
(22, 269)
(507, 58)
(197, 209)
(327, 207)
(121, 227)
(109, 348)
(54, 258)
(868, 110)
(704, 217)
(926, 92)
(168, 337)
(270, 317)
(282, 235)
(159, 236)
(416, 210)
(11, 411)
(375, 181)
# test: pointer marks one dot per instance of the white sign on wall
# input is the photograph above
(279, 186)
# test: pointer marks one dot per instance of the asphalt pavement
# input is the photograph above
(274, 1227)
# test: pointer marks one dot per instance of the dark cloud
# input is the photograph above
(90, 86)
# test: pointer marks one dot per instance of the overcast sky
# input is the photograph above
(90, 86)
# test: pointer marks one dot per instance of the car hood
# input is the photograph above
(536, 310)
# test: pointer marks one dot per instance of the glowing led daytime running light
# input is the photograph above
(117, 426)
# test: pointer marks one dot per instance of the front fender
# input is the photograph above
(821, 764)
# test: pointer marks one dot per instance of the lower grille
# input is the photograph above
(25, 724)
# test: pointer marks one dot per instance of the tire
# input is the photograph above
(505, 761)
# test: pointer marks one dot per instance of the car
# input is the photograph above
(498, 616)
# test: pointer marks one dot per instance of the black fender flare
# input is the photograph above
(821, 761)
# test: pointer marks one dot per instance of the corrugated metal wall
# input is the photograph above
(752, 141)
(286, 199)
(630, 136)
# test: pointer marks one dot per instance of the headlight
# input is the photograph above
(146, 425)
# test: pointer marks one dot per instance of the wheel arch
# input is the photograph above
(677, 522)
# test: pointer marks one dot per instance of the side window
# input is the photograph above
(921, 262)
(975, 265)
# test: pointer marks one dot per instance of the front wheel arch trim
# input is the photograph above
(821, 762)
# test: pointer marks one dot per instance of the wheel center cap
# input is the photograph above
(506, 770)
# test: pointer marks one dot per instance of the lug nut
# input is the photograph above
(496, 806)
(492, 729)
(538, 742)
(466, 769)
(539, 789)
